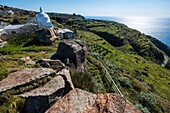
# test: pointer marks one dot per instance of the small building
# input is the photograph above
(13, 29)
(65, 33)
(20, 28)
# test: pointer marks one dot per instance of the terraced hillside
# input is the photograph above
(133, 61)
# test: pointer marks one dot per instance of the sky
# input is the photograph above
(151, 8)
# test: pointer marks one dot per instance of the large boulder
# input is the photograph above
(2, 44)
(65, 73)
(47, 36)
(79, 101)
(72, 53)
(130, 108)
(27, 60)
(40, 99)
(54, 64)
(24, 77)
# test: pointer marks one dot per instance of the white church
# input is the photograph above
(40, 21)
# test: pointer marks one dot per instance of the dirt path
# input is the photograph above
(165, 61)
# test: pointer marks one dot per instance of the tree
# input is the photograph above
(74, 14)
(15, 21)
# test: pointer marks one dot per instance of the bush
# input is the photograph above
(125, 82)
(56, 24)
(139, 86)
(81, 80)
(143, 109)
(22, 40)
(3, 71)
(87, 81)
(149, 101)
(16, 21)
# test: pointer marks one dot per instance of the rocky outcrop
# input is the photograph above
(67, 78)
(130, 108)
(40, 99)
(24, 77)
(47, 36)
(28, 61)
(2, 44)
(79, 101)
(59, 96)
(57, 65)
(72, 53)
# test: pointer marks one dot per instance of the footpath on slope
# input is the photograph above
(114, 86)
(116, 89)
(165, 61)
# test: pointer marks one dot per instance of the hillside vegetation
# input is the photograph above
(133, 61)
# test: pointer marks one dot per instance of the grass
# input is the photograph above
(17, 48)
(130, 58)
(145, 75)
(10, 102)
(120, 35)
(13, 105)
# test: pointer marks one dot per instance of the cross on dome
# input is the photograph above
(43, 19)
(41, 10)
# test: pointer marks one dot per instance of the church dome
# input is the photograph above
(43, 19)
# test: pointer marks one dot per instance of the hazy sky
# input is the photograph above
(96, 7)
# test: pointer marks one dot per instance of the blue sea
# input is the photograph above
(155, 27)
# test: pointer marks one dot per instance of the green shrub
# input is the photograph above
(56, 24)
(87, 81)
(10, 49)
(15, 21)
(12, 104)
(149, 101)
(143, 109)
(125, 82)
(138, 85)
(22, 40)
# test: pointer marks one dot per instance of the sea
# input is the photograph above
(153, 26)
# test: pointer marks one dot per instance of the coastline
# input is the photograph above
(157, 28)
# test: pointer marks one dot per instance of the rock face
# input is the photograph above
(47, 36)
(23, 77)
(28, 61)
(59, 96)
(79, 101)
(40, 99)
(130, 108)
(72, 53)
(67, 78)
(54, 64)
(2, 44)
